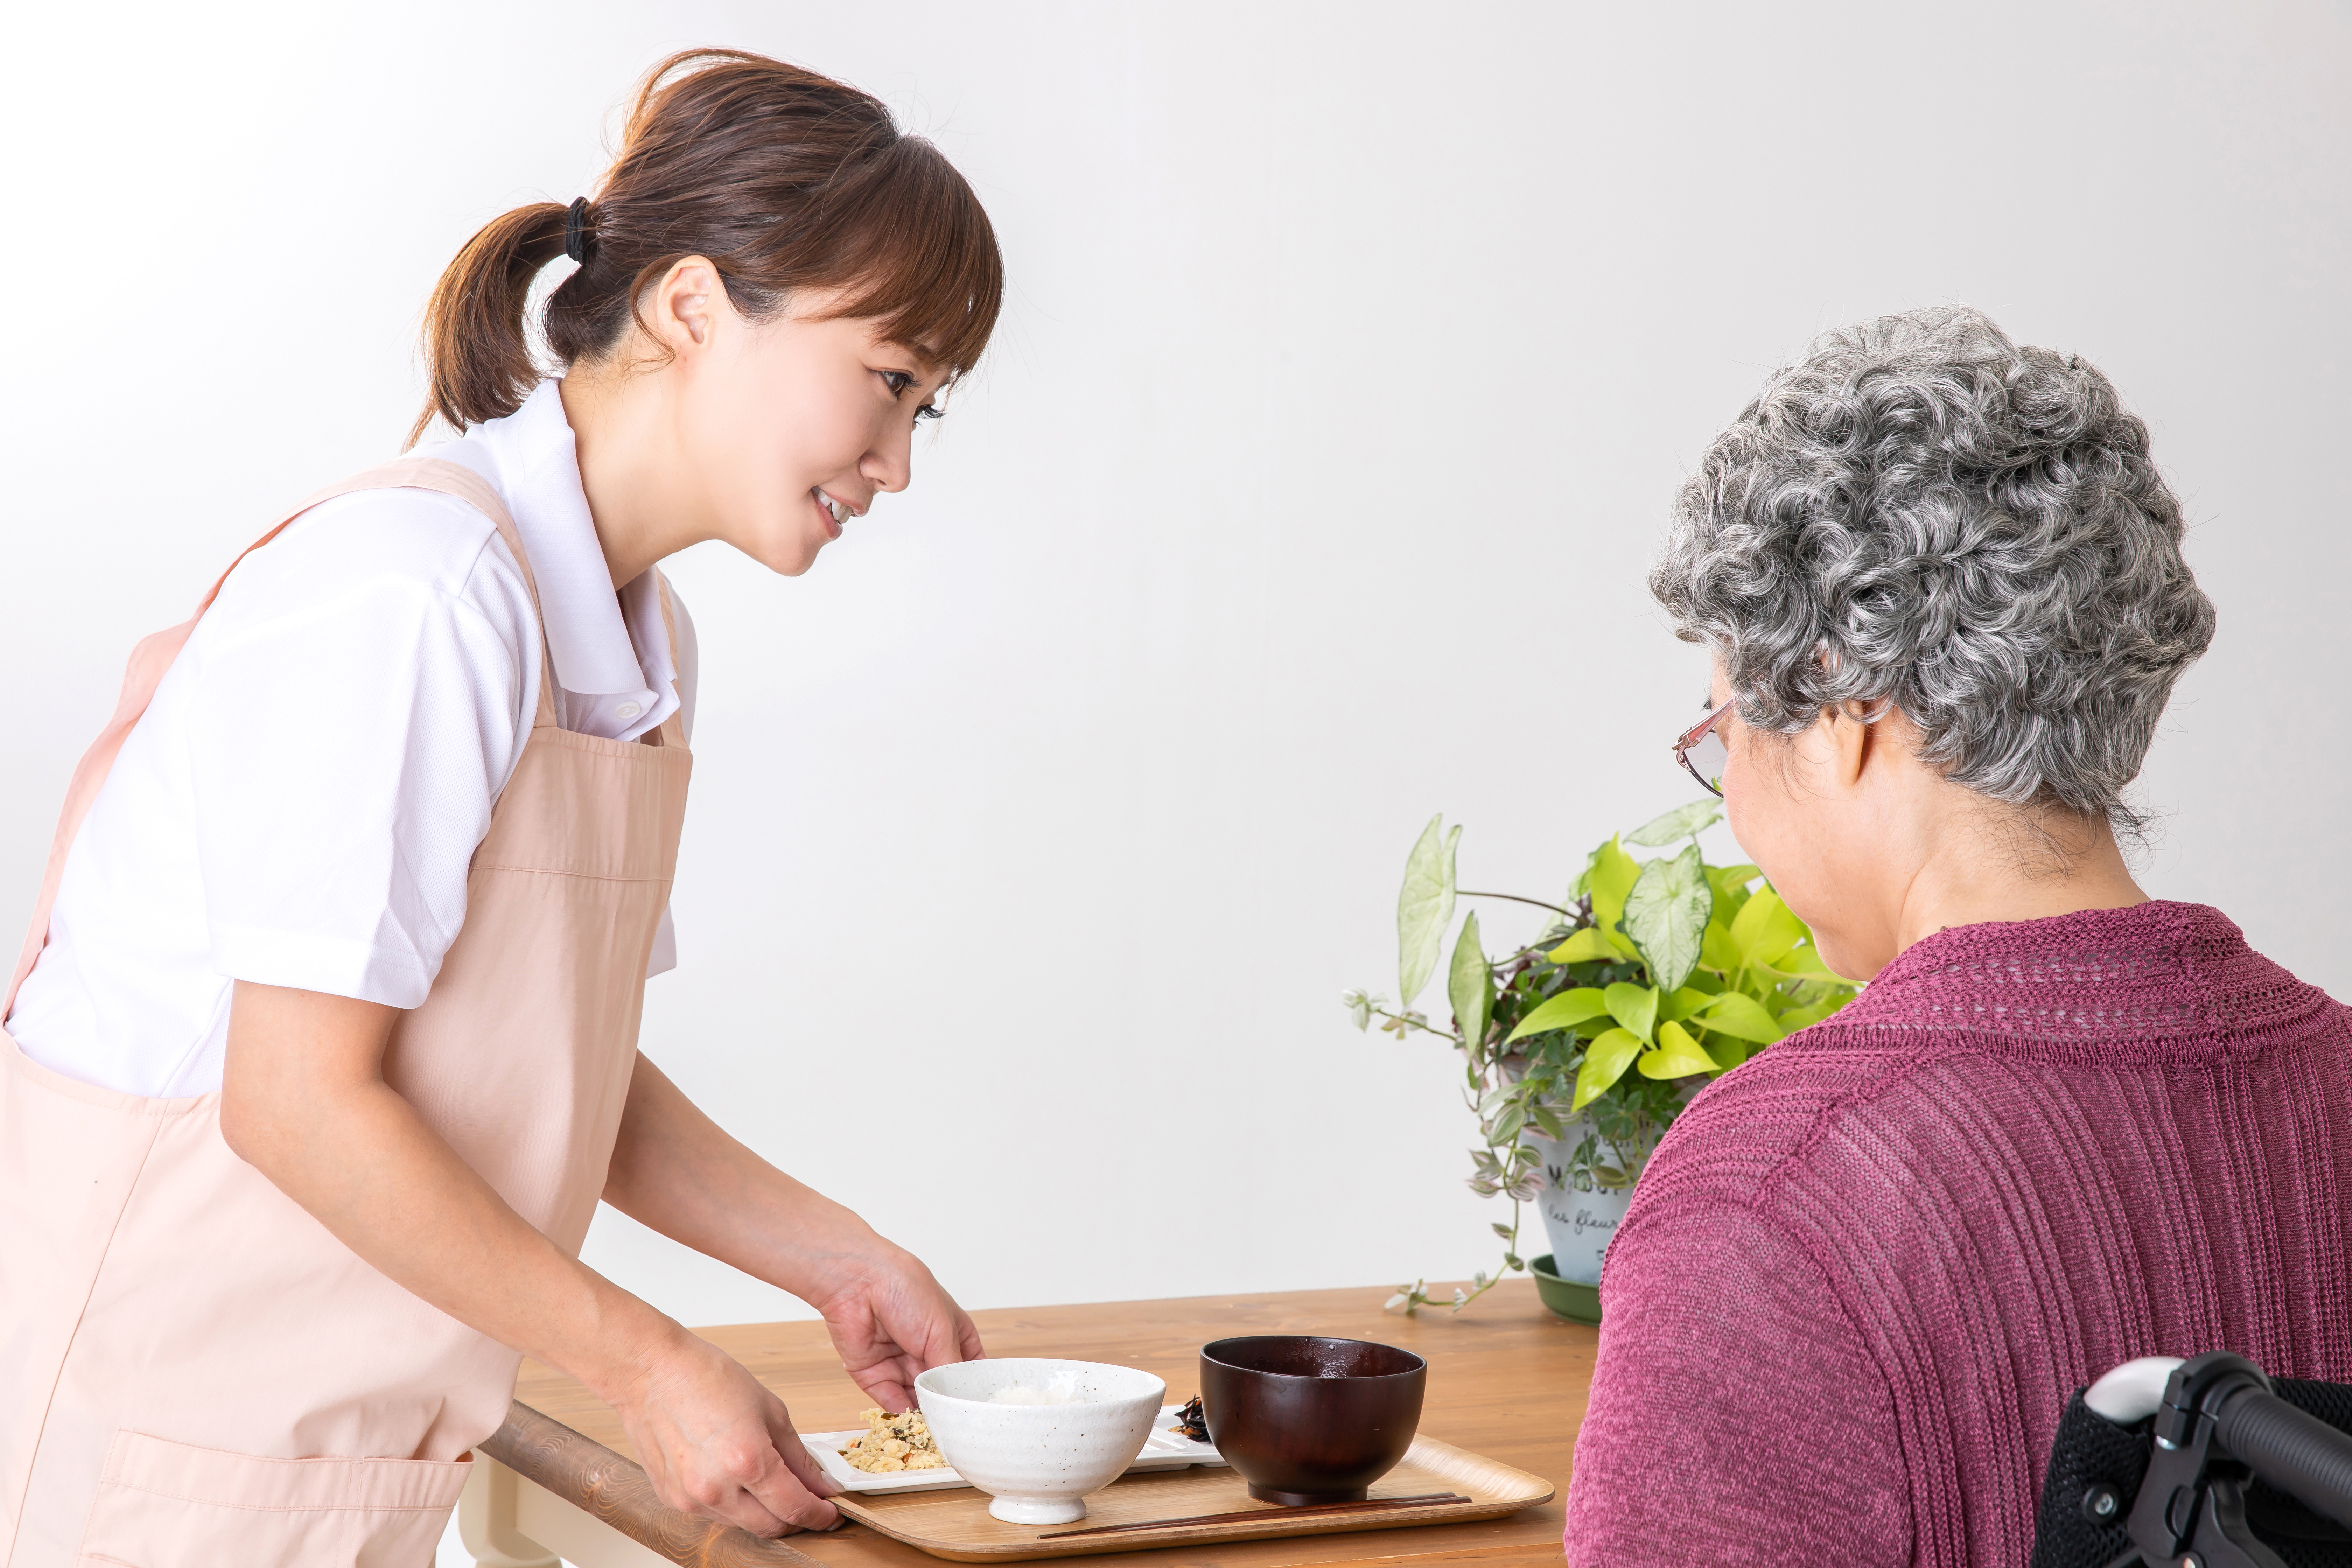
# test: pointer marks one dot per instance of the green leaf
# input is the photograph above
(1677, 1055)
(1564, 1011)
(1727, 1052)
(1714, 948)
(1797, 1018)
(1764, 930)
(1681, 1004)
(1605, 1061)
(1470, 984)
(1730, 885)
(1729, 880)
(1634, 1007)
(1665, 914)
(1682, 822)
(1583, 883)
(1611, 878)
(1424, 907)
(1585, 946)
(1808, 963)
(1742, 1017)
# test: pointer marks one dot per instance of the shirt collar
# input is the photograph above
(538, 466)
(531, 460)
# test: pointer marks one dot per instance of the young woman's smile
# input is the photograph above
(834, 513)
(789, 428)
(884, 452)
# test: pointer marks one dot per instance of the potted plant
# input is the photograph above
(1580, 1048)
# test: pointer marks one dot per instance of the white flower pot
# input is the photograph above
(1579, 1223)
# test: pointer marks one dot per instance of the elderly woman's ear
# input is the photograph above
(1850, 748)
(1862, 740)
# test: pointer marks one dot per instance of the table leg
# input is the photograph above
(485, 1521)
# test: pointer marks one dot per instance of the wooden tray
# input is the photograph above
(957, 1525)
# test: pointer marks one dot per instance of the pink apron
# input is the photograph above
(193, 1371)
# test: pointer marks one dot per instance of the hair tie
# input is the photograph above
(579, 234)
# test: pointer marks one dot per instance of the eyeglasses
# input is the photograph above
(1701, 752)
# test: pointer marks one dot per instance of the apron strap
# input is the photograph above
(154, 657)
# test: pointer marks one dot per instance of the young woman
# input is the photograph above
(323, 1045)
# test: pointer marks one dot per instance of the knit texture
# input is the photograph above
(1864, 1274)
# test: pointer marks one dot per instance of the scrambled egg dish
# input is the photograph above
(894, 1443)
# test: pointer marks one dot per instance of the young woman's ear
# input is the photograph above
(685, 305)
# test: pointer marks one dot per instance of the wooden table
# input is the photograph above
(1506, 1379)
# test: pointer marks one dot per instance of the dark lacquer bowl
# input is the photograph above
(1307, 1420)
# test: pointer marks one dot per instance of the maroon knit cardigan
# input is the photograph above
(1863, 1273)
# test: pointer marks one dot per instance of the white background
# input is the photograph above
(1350, 359)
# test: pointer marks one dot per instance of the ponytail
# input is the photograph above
(785, 179)
(474, 334)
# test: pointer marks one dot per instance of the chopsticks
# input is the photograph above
(1420, 1500)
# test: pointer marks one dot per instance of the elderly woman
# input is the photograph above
(2065, 1124)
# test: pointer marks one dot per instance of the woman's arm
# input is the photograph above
(1737, 1418)
(678, 1172)
(303, 1100)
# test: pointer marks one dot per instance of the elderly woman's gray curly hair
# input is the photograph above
(1923, 513)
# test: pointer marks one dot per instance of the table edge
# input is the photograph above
(616, 1492)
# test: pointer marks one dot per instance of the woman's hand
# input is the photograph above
(889, 1320)
(678, 1172)
(303, 1100)
(714, 1442)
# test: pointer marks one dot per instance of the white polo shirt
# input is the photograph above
(301, 802)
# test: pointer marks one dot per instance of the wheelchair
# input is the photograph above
(2204, 1463)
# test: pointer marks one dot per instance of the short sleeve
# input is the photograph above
(362, 690)
(1737, 1418)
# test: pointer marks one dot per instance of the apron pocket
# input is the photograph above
(168, 1505)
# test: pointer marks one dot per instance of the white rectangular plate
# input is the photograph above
(1165, 1449)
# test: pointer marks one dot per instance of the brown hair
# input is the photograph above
(785, 179)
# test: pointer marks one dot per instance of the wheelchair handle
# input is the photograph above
(2295, 1452)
